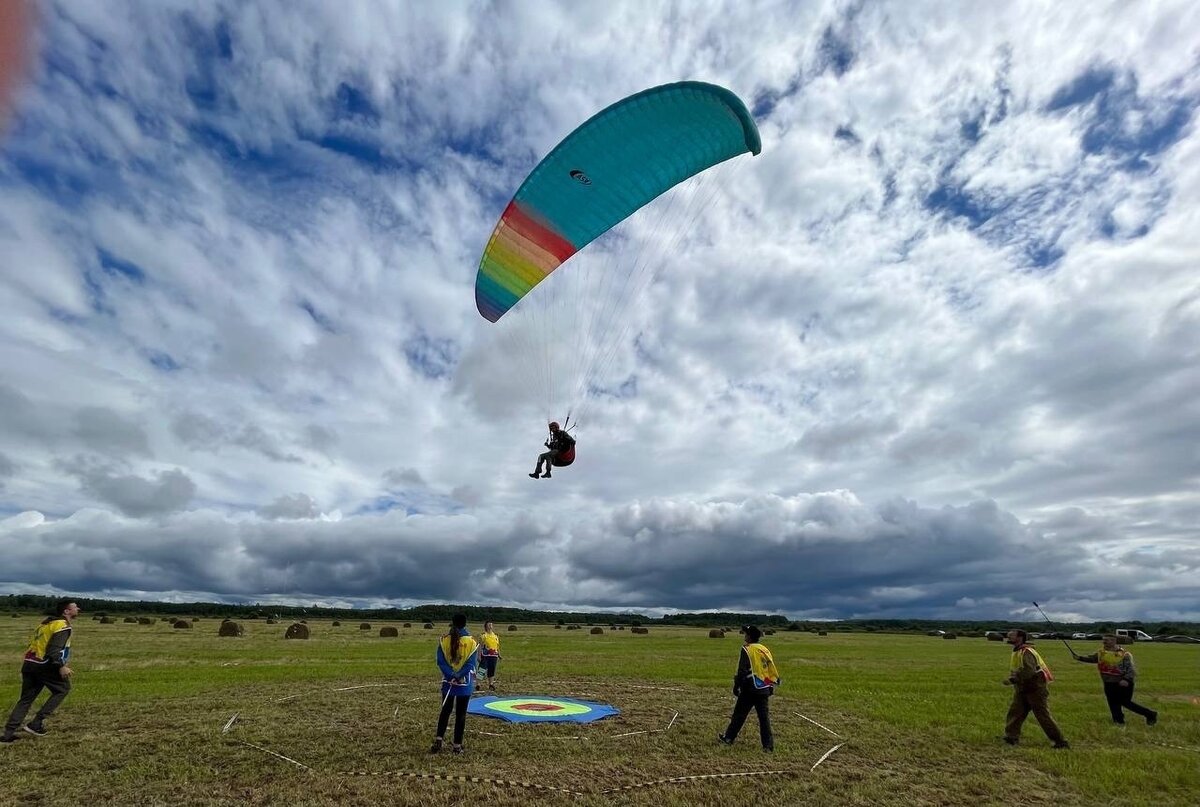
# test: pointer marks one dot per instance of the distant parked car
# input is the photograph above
(1079, 636)
(1133, 635)
(1178, 639)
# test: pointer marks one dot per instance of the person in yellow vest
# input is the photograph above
(44, 667)
(489, 654)
(1029, 676)
(1115, 665)
(457, 657)
(753, 684)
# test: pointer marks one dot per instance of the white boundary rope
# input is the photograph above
(818, 725)
(824, 757)
(1180, 747)
(272, 753)
(693, 778)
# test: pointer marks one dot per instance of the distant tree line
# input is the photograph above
(37, 603)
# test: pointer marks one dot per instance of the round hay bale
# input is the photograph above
(389, 630)
(364, 626)
(512, 627)
(572, 627)
(558, 627)
(595, 631)
(230, 628)
(168, 619)
(822, 633)
(716, 634)
(296, 630)
(620, 627)
(270, 621)
(181, 624)
(408, 624)
(195, 619)
(130, 619)
(145, 620)
(428, 626)
(640, 630)
(106, 620)
(17, 616)
(950, 636)
(337, 624)
(769, 632)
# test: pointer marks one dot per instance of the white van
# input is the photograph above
(1132, 635)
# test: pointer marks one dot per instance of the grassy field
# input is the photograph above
(920, 719)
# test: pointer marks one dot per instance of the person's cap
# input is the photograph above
(553, 424)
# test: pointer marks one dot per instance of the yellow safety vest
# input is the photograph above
(466, 646)
(36, 652)
(1108, 662)
(491, 644)
(1018, 659)
(762, 666)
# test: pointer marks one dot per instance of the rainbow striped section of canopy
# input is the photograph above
(619, 160)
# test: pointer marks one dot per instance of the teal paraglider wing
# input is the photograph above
(619, 160)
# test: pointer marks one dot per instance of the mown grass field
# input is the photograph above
(920, 718)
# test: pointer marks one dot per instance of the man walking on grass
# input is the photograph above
(753, 684)
(1029, 676)
(45, 667)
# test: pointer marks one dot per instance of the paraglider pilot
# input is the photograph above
(561, 453)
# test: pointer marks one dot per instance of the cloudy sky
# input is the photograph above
(935, 352)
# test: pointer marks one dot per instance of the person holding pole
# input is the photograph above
(457, 657)
(1115, 665)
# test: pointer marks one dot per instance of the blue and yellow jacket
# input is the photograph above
(460, 666)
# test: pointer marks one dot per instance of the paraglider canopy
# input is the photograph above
(618, 161)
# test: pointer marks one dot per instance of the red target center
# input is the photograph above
(536, 707)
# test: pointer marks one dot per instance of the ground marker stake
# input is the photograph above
(229, 724)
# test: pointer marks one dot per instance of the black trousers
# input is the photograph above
(457, 703)
(35, 678)
(752, 698)
(1119, 697)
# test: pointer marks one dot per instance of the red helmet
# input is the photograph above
(553, 426)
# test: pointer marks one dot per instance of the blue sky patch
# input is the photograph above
(431, 357)
(118, 267)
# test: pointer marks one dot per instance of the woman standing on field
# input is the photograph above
(457, 656)
(489, 654)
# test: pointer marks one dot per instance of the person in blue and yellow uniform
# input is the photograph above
(44, 667)
(753, 684)
(457, 657)
(1029, 675)
(1115, 665)
(489, 654)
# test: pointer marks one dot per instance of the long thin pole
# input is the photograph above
(1070, 649)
